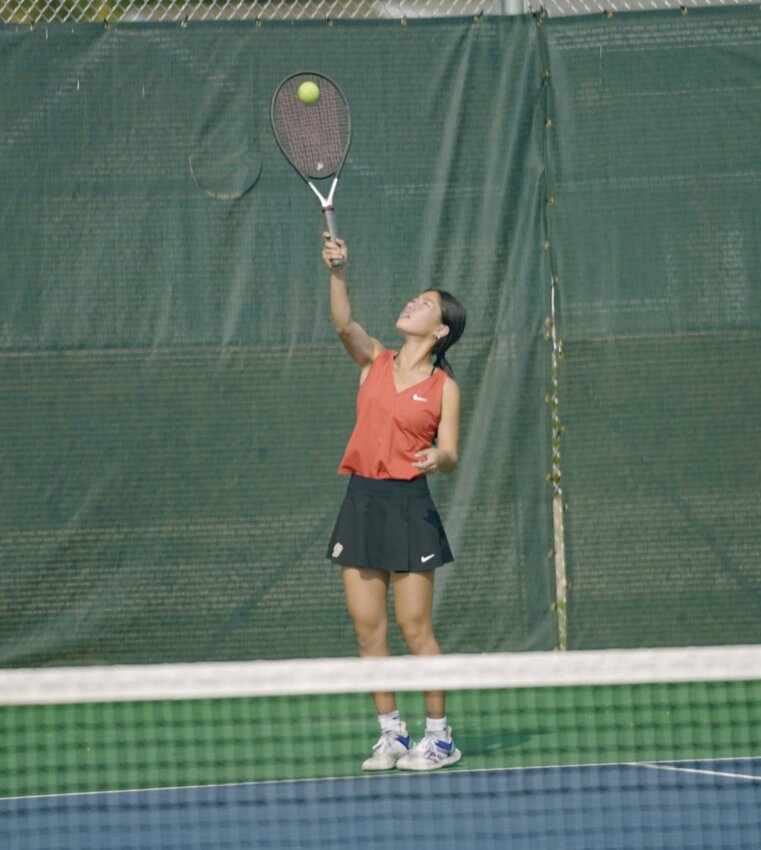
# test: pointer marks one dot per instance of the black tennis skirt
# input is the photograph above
(387, 524)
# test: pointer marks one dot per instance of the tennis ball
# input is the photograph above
(309, 92)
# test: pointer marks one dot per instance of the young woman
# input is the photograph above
(388, 531)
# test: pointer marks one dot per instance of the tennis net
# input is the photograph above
(579, 751)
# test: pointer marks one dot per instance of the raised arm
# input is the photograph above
(362, 348)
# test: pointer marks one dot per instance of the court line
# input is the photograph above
(693, 760)
(695, 770)
(392, 775)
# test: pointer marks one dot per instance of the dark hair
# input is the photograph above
(453, 316)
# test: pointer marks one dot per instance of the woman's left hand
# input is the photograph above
(428, 460)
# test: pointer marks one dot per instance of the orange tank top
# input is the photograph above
(392, 426)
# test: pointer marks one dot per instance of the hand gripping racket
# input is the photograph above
(314, 137)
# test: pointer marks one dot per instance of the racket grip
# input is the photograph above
(330, 221)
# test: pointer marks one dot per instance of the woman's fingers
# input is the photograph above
(427, 460)
(333, 250)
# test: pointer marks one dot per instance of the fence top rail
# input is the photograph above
(128, 11)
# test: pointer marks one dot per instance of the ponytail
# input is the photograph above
(441, 362)
(453, 316)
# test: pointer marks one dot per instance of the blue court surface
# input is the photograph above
(701, 805)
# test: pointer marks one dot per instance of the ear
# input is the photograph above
(441, 331)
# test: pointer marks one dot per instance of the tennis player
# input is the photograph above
(388, 531)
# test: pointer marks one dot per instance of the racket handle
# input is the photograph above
(330, 220)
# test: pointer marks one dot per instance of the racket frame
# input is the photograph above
(326, 203)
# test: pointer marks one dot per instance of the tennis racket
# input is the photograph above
(313, 137)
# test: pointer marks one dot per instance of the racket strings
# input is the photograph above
(314, 137)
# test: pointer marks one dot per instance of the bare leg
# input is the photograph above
(413, 604)
(367, 600)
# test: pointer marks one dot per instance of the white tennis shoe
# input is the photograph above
(430, 753)
(390, 747)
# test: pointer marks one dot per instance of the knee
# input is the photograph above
(372, 637)
(418, 635)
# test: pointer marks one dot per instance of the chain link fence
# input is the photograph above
(31, 12)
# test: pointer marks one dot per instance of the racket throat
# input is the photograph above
(326, 203)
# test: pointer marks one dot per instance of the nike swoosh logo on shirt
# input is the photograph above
(418, 397)
(425, 558)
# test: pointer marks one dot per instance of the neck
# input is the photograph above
(414, 354)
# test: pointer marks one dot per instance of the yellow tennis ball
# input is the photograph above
(309, 92)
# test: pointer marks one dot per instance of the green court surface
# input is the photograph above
(100, 747)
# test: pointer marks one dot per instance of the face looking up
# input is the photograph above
(422, 316)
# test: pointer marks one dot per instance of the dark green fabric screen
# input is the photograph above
(174, 399)
(656, 171)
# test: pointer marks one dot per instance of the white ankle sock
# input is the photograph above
(390, 722)
(438, 726)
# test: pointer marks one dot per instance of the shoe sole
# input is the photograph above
(365, 766)
(426, 765)
(373, 767)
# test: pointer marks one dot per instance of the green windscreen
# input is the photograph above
(175, 401)
(656, 176)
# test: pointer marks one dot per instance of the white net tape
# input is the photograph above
(402, 673)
